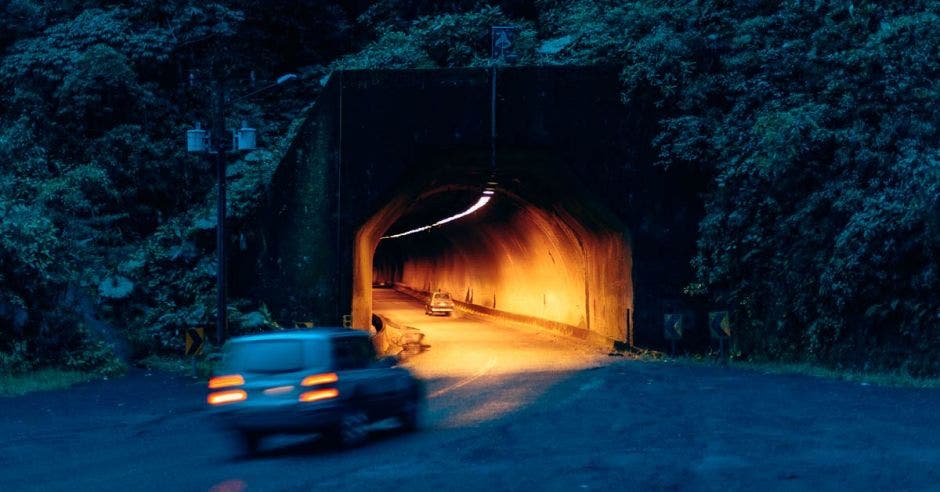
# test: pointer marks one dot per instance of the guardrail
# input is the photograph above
(497, 315)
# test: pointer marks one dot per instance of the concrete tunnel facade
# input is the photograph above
(583, 233)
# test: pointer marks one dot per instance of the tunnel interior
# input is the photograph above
(542, 250)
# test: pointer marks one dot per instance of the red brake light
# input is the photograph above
(226, 381)
(320, 394)
(325, 378)
(228, 396)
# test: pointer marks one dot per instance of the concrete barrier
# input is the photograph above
(495, 315)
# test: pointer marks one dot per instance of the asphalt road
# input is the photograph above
(510, 408)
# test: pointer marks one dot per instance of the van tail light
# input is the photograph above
(226, 381)
(227, 396)
(325, 378)
(320, 394)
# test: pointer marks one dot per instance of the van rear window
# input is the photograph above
(270, 356)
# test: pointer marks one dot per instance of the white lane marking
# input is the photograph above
(483, 370)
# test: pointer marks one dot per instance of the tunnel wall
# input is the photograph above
(292, 241)
(539, 264)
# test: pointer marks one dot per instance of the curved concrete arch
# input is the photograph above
(564, 265)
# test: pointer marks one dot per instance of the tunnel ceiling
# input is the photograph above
(435, 207)
(442, 182)
(446, 182)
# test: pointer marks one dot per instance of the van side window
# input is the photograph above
(353, 352)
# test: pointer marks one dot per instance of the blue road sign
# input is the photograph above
(503, 39)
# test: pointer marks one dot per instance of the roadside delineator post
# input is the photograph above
(195, 343)
(719, 328)
(672, 329)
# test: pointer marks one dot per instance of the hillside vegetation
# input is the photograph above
(818, 120)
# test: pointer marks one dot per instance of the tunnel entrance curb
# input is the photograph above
(573, 332)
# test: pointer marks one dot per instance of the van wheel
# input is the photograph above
(351, 431)
(250, 442)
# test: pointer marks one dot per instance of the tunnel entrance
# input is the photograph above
(585, 232)
(540, 251)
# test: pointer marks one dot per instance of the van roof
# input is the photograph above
(318, 333)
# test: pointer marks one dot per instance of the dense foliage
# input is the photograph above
(817, 120)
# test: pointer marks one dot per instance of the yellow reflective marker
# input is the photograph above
(194, 340)
(719, 324)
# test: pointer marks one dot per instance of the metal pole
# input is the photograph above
(493, 120)
(338, 313)
(219, 135)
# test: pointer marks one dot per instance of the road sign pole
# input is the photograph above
(493, 116)
(194, 365)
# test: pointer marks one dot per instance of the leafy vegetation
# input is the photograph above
(816, 120)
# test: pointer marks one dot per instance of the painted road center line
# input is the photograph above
(482, 372)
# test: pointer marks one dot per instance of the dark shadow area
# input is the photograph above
(285, 446)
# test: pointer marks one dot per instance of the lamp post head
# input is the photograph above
(247, 137)
(197, 139)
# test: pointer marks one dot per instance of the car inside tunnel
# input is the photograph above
(534, 248)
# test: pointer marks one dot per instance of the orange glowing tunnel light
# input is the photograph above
(325, 378)
(227, 396)
(320, 394)
(226, 381)
(487, 196)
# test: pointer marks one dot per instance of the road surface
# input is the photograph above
(510, 409)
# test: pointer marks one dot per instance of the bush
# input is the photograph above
(17, 360)
(92, 354)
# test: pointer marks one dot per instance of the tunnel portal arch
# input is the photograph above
(542, 251)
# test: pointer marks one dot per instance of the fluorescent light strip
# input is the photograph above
(476, 206)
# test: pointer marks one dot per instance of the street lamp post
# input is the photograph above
(245, 139)
(218, 129)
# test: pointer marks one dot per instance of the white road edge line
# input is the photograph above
(482, 372)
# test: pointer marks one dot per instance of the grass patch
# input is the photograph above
(182, 366)
(897, 379)
(893, 378)
(42, 380)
